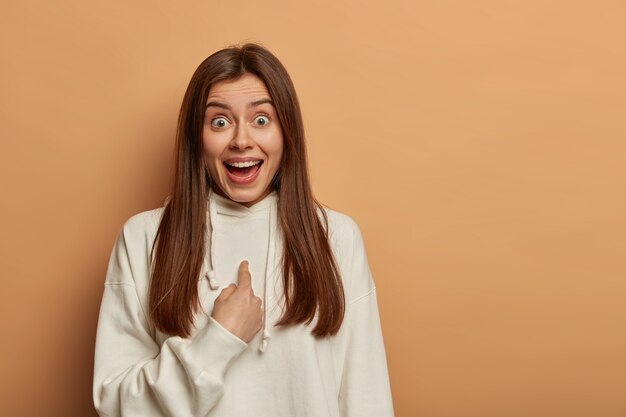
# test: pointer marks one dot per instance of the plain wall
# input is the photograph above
(479, 145)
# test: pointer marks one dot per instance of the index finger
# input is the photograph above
(244, 277)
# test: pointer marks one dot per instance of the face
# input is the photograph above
(242, 139)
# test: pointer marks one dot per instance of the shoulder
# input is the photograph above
(348, 249)
(139, 230)
(130, 255)
(341, 227)
(143, 222)
(136, 235)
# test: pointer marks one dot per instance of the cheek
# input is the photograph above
(211, 147)
(273, 146)
(211, 154)
(279, 151)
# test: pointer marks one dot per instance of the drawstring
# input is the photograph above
(209, 266)
(208, 243)
(266, 335)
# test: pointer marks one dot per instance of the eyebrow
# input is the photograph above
(251, 104)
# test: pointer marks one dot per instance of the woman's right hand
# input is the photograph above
(237, 309)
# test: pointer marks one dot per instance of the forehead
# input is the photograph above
(246, 86)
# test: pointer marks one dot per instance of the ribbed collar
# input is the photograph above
(229, 207)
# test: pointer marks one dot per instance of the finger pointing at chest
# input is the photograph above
(244, 278)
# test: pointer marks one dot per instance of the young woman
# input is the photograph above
(242, 296)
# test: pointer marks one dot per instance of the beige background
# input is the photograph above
(479, 145)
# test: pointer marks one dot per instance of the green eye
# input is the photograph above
(219, 122)
(261, 120)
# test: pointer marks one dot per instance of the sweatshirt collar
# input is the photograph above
(228, 207)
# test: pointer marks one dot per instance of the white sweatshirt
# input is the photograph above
(283, 371)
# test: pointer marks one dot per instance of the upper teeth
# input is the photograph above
(243, 164)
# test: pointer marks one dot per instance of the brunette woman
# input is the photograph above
(242, 296)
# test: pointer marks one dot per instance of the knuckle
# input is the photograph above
(225, 290)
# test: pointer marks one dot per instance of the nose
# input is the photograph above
(241, 138)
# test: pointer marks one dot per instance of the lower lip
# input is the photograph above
(243, 180)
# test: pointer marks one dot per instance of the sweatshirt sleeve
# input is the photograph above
(365, 388)
(133, 375)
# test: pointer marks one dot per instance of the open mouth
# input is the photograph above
(243, 170)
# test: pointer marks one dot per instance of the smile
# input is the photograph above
(243, 172)
(242, 164)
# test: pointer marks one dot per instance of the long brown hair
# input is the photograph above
(311, 281)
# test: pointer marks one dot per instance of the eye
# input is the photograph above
(261, 120)
(219, 122)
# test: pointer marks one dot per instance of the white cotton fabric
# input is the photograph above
(139, 371)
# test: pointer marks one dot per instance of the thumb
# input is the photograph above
(244, 277)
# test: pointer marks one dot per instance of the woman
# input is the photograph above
(242, 296)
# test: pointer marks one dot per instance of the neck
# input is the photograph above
(248, 204)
